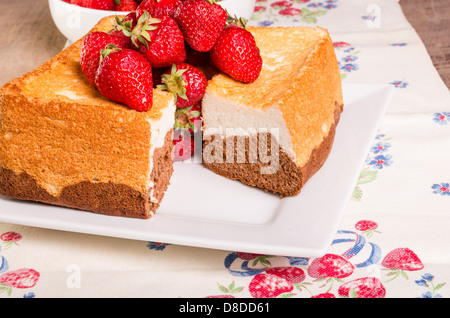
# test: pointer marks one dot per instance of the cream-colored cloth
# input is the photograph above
(393, 240)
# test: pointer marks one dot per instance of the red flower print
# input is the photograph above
(290, 11)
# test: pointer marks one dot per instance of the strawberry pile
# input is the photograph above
(172, 45)
(110, 5)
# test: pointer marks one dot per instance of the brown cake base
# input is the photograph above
(286, 179)
(103, 198)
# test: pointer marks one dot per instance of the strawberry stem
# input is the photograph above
(140, 31)
(109, 48)
(174, 82)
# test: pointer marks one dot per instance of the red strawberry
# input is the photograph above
(91, 46)
(158, 8)
(125, 5)
(365, 225)
(269, 286)
(196, 58)
(236, 54)
(95, 4)
(184, 144)
(160, 41)
(186, 82)
(402, 259)
(189, 118)
(10, 237)
(367, 287)
(330, 265)
(21, 278)
(201, 22)
(247, 256)
(294, 275)
(324, 295)
(125, 76)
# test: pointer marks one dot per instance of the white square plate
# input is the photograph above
(203, 209)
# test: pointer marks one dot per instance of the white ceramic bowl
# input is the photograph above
(74, 21)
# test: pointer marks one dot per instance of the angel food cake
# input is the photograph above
(276, 132)
(63, 143)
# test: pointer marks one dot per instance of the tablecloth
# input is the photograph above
(393, 240)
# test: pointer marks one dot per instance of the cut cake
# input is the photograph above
(63, 143)
(276, 132)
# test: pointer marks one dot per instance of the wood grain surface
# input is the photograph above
(29, 36)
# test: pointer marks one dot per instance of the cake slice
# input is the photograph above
(63, 143)
(276, 132)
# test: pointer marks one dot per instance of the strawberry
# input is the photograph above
(189, 118)
(158, 8)
(330, 265)
(91, 46)
(402, 259)
(125, 76)
(294, 275)
(201, 22)
(236, 54)
(324, 295)
(366, 287)
(365, 225)
(196, 58)
(247, 256)
(21, 278)
(269, 286)
(10, 238)
(184, 144)
(95, 4)
(186, 82)
(125, 5)
(160, 41)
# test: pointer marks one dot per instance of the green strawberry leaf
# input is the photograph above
(367, 176)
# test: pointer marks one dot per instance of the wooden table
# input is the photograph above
(31, 37)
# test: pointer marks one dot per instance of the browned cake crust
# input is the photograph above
(287, 179)
(104, 198)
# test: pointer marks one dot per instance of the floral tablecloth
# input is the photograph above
(394, 238)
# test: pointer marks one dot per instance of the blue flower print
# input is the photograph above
(265, 23)
(381, 161)
(349, 67)
(441, 188)
(330, 4)
(380, 147)
(427, 281)
(441, 118)
(399, 84)
(156, 246)
(350, 58)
